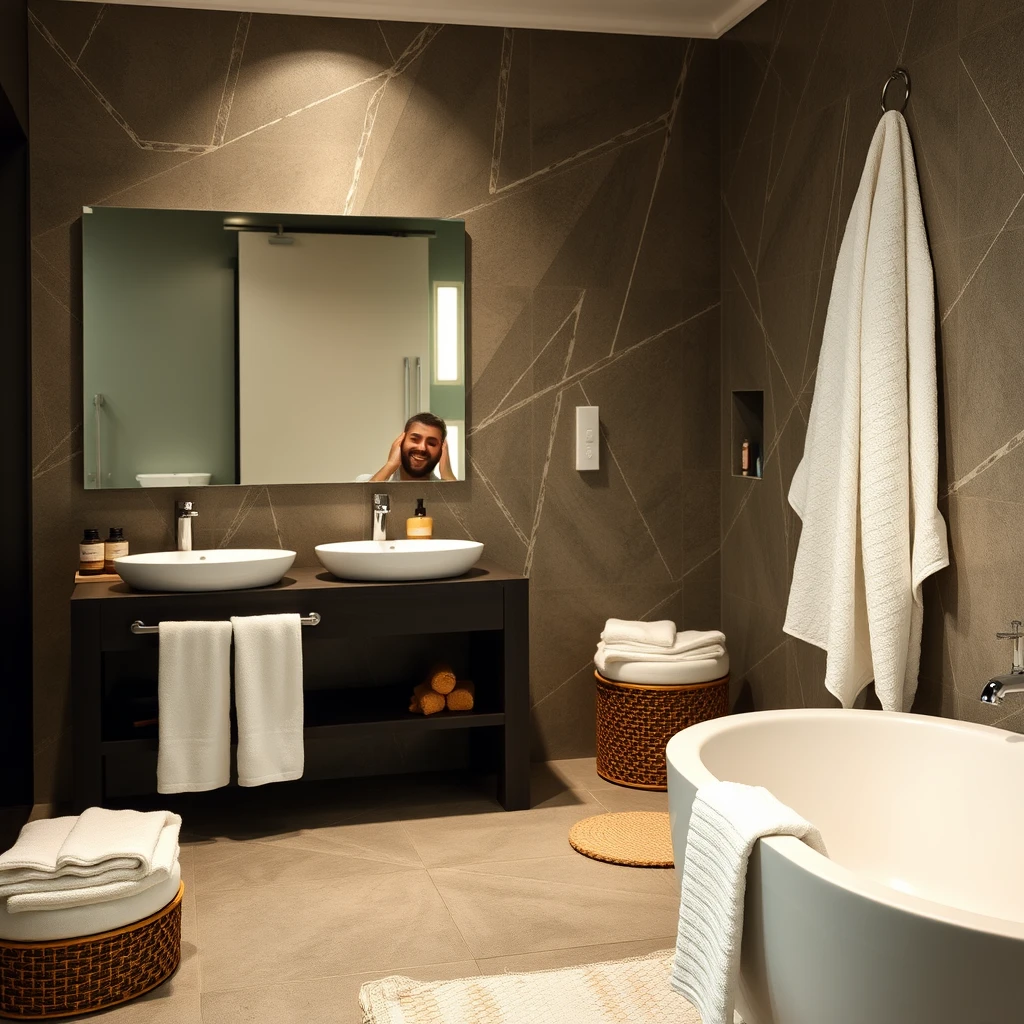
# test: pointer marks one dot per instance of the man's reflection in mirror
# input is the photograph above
(421, 447)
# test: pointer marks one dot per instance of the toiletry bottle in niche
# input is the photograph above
(419, 524)
(115, 546)
(90, 554)
(745, 458)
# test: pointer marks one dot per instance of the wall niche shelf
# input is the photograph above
(747, 425)
(373, 643)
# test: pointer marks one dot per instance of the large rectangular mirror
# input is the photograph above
(241, 348)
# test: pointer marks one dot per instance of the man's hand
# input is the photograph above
(444, 466)
(394, 460)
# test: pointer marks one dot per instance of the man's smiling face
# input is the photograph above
(421, 449)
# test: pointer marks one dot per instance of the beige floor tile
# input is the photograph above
(334, 1000)
(299, 932)
(508, 835)
(556, 959)
(620, 798)
(579, 772)
(164, 1005)
(331, 852)
(502, 914)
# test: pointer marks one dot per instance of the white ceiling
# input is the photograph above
(697, 18)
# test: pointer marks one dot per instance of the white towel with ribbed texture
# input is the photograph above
(726, 819)
(686, 641)
(866, 489)
(655, 634)
(195, 707)
(268, 698)
(63, 892)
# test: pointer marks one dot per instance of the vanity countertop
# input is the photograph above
(298, 578)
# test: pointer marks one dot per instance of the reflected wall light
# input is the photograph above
(447, 347)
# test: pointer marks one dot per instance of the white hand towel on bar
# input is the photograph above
(726, 820)
(655, 634)
(63, 892)
(268, 698)
(866, 489)
(195, 707)
(99, 847)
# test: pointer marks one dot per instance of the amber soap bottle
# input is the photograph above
(419, 524)
(90, 554)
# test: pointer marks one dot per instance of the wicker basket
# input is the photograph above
(65, 977)
(635, 723)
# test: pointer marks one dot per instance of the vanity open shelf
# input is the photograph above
(371, 645)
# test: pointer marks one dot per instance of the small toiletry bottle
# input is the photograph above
(419, 524)
(745, 458)
(115, 546)
(90, 554)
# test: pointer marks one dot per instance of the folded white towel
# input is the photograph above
(664, 673)
(59, 893)
(195, 707)
(98, 847)
(268, 698)
(615, 654)
(726, 820)
(685, 641)
(655, 634)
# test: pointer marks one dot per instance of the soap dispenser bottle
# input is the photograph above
(419, 524)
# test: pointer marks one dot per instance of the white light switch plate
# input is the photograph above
(588, 437)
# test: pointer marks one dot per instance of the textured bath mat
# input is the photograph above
(634, 991)
(640, 839)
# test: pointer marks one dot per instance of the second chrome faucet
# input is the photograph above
(381, 508)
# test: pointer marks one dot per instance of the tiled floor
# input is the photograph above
(296, 895)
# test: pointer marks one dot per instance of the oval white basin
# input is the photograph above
(399, 559)
(220, 569)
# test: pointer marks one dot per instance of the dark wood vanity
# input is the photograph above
(361, 661)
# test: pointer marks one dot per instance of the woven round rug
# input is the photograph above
(640, 839)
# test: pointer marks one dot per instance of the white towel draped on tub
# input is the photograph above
(195, 707)
(726, 820)
(866, 488)
(268, 698)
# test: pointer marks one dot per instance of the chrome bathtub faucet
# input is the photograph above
(184, 513)
(381, 508)
(999, 686)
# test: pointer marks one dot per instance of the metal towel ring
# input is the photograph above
(898, 73)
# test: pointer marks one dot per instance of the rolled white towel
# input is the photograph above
(100, 846)
(648, 634)
(59, 893)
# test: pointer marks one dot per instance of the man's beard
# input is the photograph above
(424, 471)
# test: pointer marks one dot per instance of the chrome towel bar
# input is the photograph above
(139, 628)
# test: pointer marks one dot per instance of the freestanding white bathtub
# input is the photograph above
(917, 915)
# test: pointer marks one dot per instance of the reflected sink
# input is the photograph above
(399, 559)
(220, 569)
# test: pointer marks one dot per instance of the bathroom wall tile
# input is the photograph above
(334, 998)
(72, 28)
(501, 913)
(371, 922)
(924, 29)
(975, 14)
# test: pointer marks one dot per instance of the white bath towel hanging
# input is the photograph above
(268, 698)
(194, 687)
(866, 489)
(726, 819)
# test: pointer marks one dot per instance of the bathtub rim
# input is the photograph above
(683, 754)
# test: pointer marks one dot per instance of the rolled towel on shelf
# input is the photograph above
(657, 634)
(426, 700)
(461, 698)
(441, 679)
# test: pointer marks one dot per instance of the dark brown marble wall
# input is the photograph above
(800, 100)
(585, 168)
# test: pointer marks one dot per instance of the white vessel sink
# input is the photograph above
(221, 569)
(399, 559)
(173, 479)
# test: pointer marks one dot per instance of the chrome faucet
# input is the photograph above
(381, 508)
(999, 686)
(184, 513)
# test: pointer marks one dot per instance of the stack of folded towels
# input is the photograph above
(97, 857)
(633, 650)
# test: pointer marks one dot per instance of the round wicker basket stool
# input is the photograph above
(66, 977)
(635, 721)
